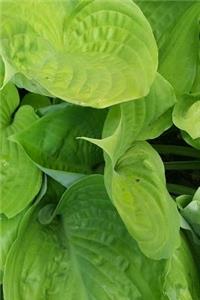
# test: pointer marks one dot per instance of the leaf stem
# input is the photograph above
(182, 165)
(179, 189)
(177, 150)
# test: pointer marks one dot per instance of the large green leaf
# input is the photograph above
(178, 44)
(52, 142)
(85, 253)
(94, 53)
(20, 179)
(186, 115)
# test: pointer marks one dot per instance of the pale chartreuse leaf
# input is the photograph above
(139, 120)
(143, 119)
(20, 179)
(94, 53)
(51, 141)
(178, 44)
(35, 100)
(182, 279)
(186, 115)
(136, 185)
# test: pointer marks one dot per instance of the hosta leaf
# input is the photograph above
(143, 119)
(178, 61)
(137, 188)
(179, 284)
(190, 209)
(163, 15)
(186, 115)
(196, 85)
(9, 229)
(139, 120)
(178, 44)
(51, 141)
(6, 72)
(94, 53)
(8, 234)
(20, 179)
(85, 253)
(134, 173)
(36, 101)
(192, 142)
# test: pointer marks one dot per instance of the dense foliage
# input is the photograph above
(100, 150)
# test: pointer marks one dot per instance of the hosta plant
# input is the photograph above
(100, 150)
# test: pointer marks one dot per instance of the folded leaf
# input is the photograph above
(138, 120)
(137, 188)
(20, 178)
(143, 119)
(94, 53)
(134, 173)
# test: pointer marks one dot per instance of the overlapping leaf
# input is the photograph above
(36, 101)
(84, 253)
(179, 284)
(8, 234)
(179, 44)
(94, 53)
(52, 143)
(20, 179)
(193, 142)
(134, 173)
